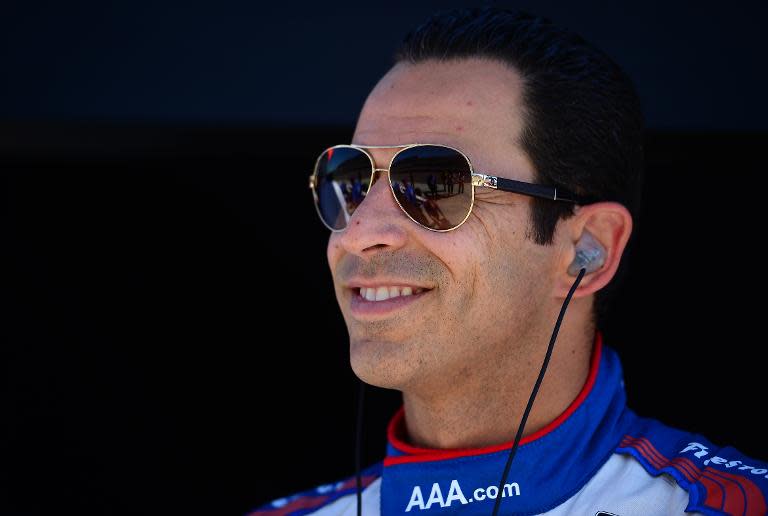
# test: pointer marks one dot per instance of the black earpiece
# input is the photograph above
(590, 255)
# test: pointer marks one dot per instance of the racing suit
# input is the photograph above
(598, 458)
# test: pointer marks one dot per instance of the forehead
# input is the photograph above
(468, 103)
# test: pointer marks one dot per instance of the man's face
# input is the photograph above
(487, 286)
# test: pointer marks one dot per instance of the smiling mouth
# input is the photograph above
(384, 293)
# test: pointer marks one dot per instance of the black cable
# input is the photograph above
(535, 391)
(358, 446)
(521, 427)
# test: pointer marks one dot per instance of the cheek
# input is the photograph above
(499, 262)
(334, 254)
(481, 240)
(333, 251)
(466, 257)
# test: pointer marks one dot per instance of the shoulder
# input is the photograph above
(717, 479)
(336, 498)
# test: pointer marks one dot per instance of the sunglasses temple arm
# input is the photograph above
(541, 191)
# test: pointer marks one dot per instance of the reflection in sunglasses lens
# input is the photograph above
(433, 185)
(342, 177)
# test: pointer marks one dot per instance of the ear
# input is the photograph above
(610, 223)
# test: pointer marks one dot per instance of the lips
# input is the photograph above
(383, 293)
(377, 301)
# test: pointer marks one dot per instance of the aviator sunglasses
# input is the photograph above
(433, 184)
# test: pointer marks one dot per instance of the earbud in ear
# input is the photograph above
(590, 255)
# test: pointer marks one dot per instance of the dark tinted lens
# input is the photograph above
(433, 184)
(341, 181)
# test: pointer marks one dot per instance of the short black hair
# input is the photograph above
(582, 118)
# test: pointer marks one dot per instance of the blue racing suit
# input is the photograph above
(598, 458)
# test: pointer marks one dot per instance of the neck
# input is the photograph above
(485, 409)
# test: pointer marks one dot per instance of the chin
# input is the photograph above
(382, 364)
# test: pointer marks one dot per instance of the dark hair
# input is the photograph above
(582, 119)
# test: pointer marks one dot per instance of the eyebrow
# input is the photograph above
(450, 141)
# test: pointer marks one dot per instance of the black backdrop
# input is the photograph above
(171, 343)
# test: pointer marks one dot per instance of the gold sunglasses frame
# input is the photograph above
(477, 179)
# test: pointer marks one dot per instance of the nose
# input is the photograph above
(378, 224)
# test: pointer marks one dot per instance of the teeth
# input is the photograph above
(384, 293)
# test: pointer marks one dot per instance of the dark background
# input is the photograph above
(169, 339)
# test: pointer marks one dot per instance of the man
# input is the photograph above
(458, 315)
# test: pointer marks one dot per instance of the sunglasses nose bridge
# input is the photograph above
(377, 172)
